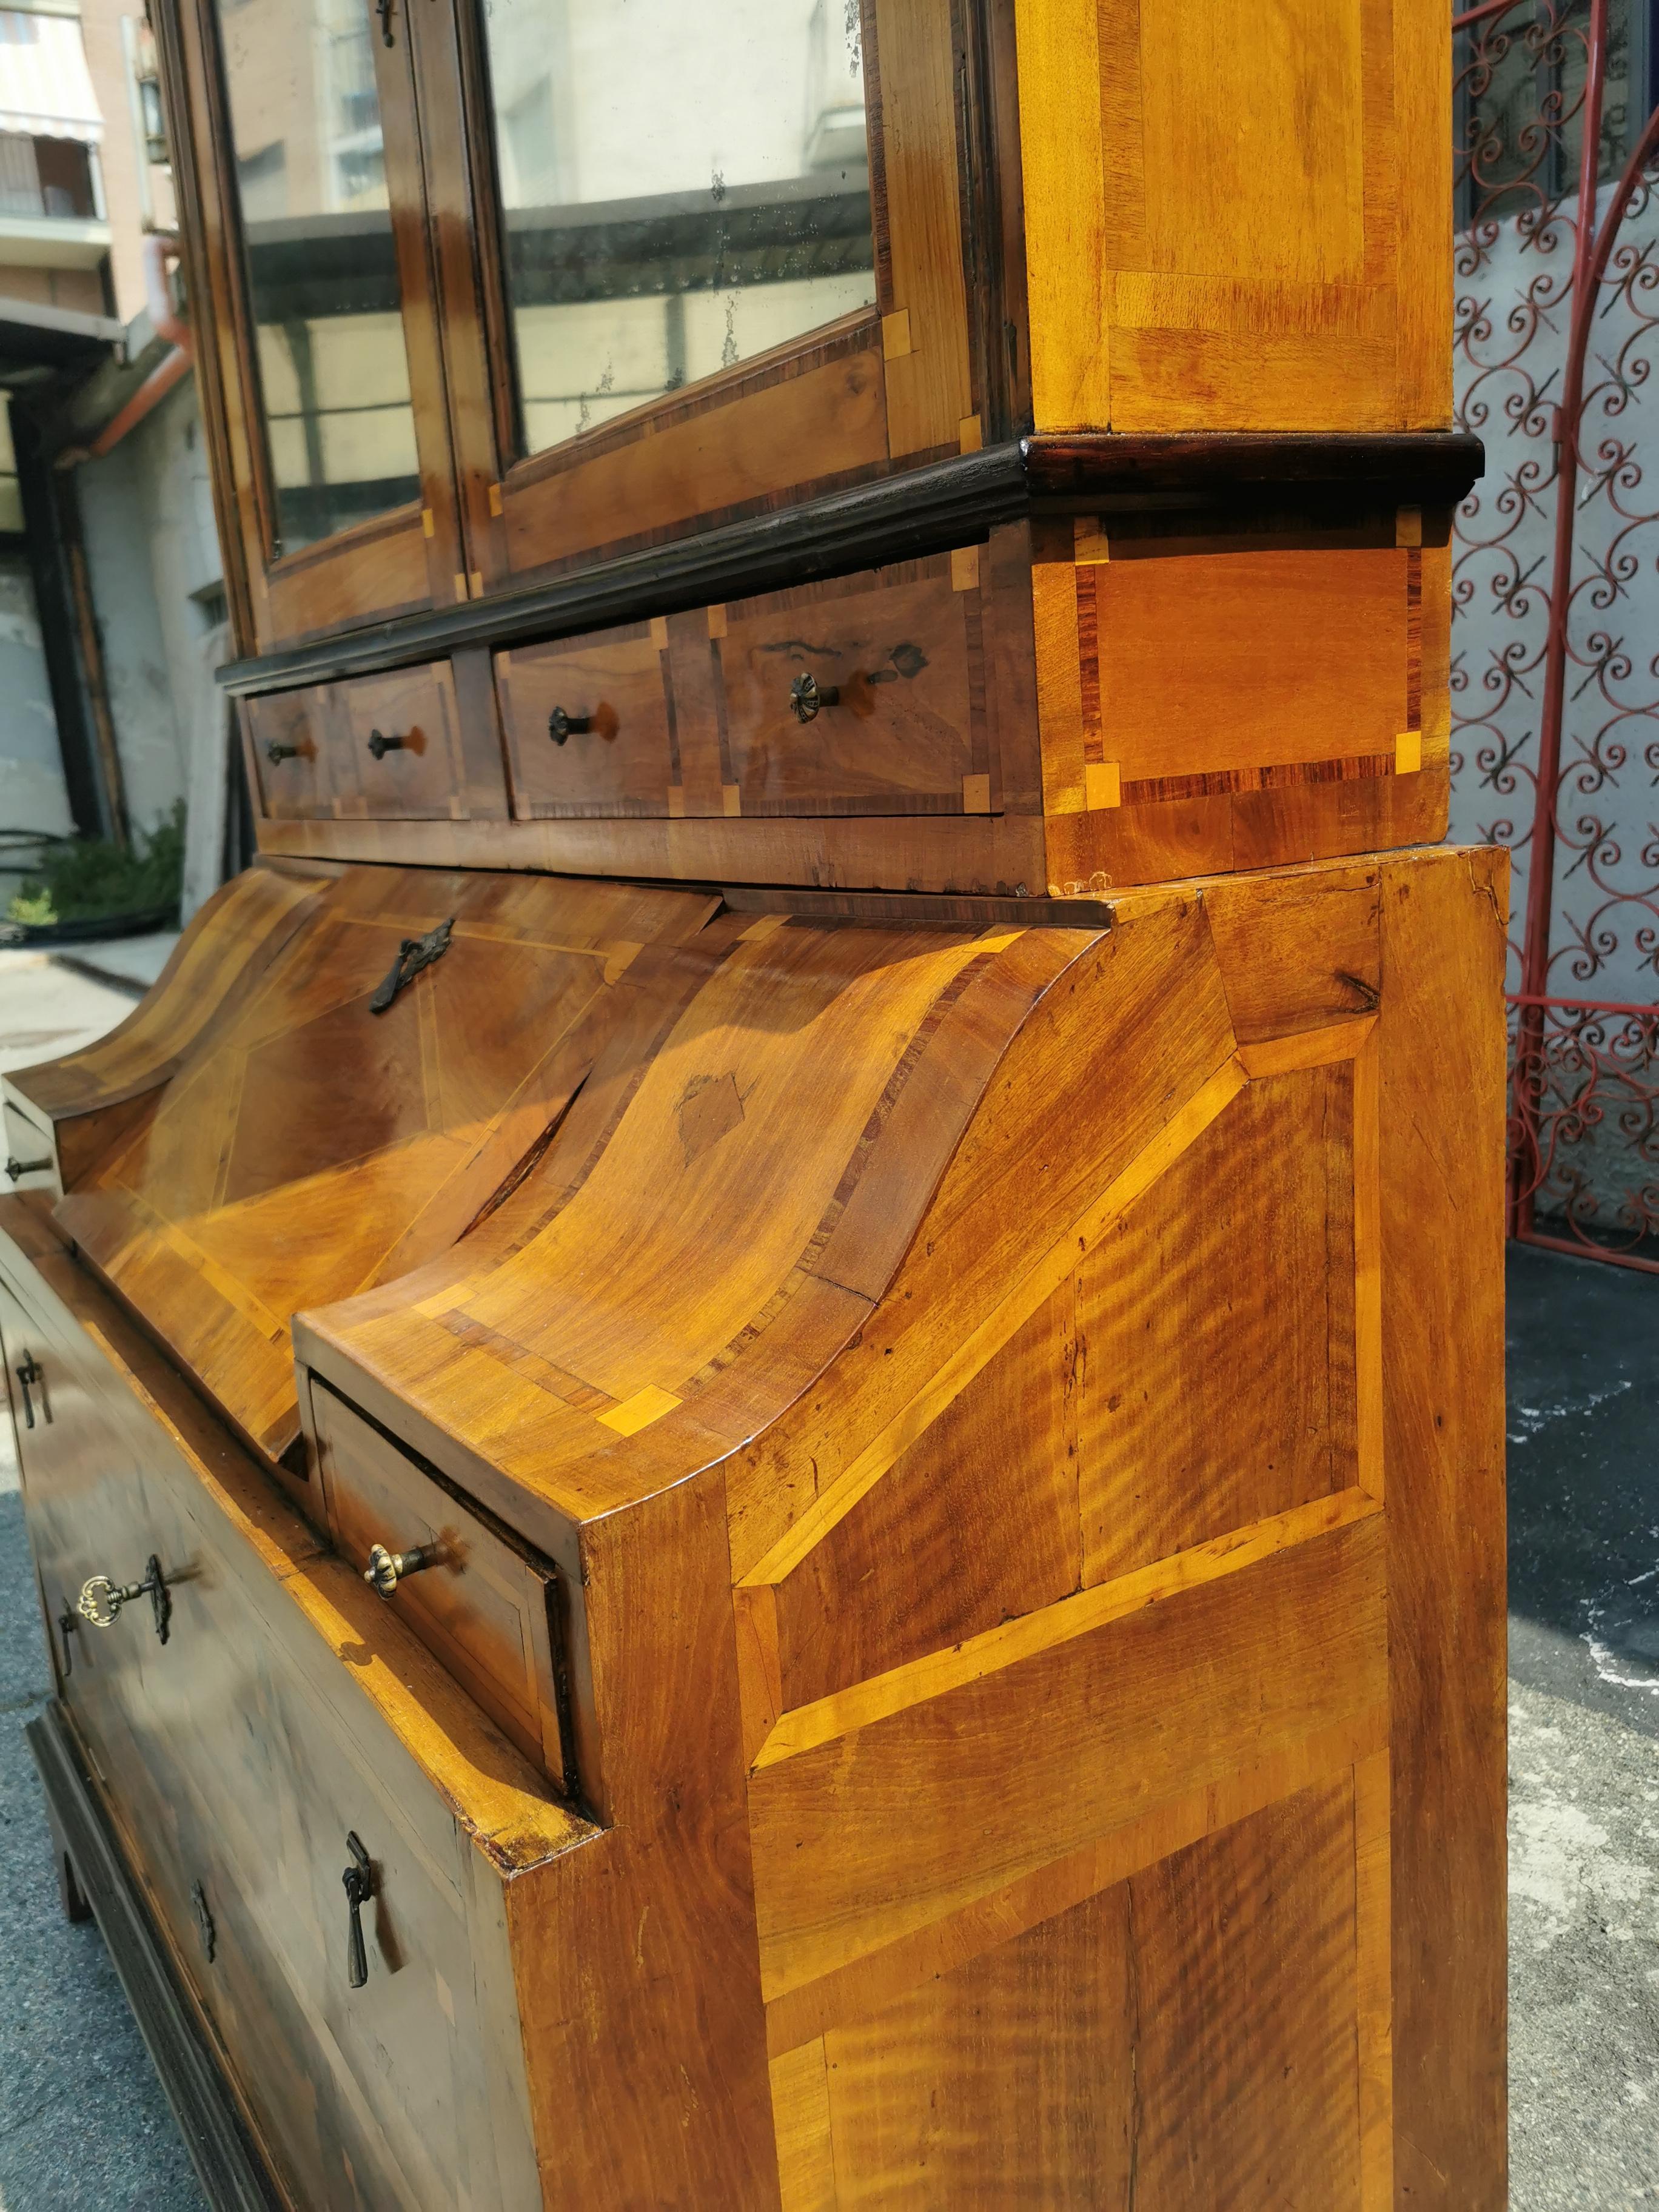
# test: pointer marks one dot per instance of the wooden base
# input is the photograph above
(91, 1865)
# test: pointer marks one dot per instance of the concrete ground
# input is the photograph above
(83, 2120)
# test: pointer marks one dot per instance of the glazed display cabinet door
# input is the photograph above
(301, 134)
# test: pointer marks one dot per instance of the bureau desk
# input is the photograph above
(760, 1412)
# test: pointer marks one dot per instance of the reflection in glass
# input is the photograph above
(684, 188)
(306, 132)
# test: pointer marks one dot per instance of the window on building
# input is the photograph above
(11, 498)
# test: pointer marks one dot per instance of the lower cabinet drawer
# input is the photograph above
(867, 696)
(380, 748)
(290, 743)
(588, 725)
(399, 749)
(476, 1599)
(244, 1768)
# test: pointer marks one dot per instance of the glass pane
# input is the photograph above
(306, 131)
(683, 187)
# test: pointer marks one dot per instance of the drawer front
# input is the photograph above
(399, 751)
(622, 762)
(289, 741)
(900, 721)
(483, 1608)
(236, 1761)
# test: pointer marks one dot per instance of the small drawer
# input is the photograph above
(862, 697)
(484, 1606)
(588, 728)
(398, 751)
(288, 743)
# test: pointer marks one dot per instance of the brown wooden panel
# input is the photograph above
(916, 112)
(1204, 664)
(1245, 1995)
(867, 1837)
(1442, 1053)
(623, 764)
(86, 1100)
(904, 651)
(1219, 1322)
(240, 1752)
(312, 1147)
(975, 1523)
(645, 2032)
(1011, 2081)
(918, 852)
(482, 1605)
(293, 740)
(1228, 239)
(771, 429)
(1185, 2040)
(1298, 951)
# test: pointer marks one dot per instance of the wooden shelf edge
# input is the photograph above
(233, 2175)
(902, 517)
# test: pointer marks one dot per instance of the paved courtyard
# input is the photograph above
(83, 2121)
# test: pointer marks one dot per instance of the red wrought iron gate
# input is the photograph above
(1555, 666)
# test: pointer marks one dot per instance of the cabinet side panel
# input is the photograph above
(1443, 1093)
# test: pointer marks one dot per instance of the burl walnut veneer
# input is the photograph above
(760, 1412)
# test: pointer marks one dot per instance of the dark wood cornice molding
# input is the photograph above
(903, 517)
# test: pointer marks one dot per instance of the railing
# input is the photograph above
(1555, 664)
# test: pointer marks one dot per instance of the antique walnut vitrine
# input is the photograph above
(761, 1412)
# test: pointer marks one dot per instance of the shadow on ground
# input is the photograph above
(1584, 1393)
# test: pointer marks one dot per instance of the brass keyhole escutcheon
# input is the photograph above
(102, 1598)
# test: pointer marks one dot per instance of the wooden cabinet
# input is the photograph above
(775, 1301)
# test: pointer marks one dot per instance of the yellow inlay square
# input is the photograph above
(639, 1412)
(1408, 526)
(460, 586)
(660, 632)
(896, 335)
(1090, 545)
(731, 798)
(494, 499)
(478, 583)
(970, 434)
(964, 568)
(1408, 752)
(975, 794)
(1102, 785)
(428, 523)
(717, 622)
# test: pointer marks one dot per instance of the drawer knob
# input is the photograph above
(385, 1570)
(101, 1600)
(16, 1167)
(380, 746)
(277, 754)
(359, 1882)
(561, 725)
(807, 696)
(32, 1373)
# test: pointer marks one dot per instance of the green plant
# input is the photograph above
(89, 879)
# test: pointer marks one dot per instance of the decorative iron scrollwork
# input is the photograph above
(413, 954)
